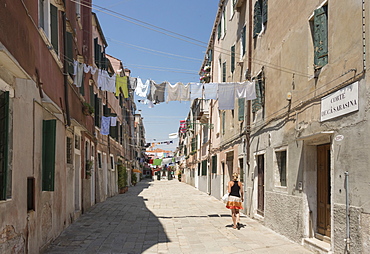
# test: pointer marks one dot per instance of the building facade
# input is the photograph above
(54, 161)
(299, 146)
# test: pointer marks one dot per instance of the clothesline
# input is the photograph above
(153, 93)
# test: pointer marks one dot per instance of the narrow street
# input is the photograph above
(166, 217)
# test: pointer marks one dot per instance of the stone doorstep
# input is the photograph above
(317, 245)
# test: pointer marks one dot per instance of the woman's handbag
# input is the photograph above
(225, 198)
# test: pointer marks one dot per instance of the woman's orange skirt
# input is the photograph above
(234, 203)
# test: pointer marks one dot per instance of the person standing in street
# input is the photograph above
(234, 203)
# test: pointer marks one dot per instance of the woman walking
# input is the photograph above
(234, 203)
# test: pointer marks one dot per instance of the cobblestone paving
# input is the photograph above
(167, 217)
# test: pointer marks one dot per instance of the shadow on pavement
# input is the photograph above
(121, 224)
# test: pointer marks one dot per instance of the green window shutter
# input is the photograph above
(257, 24)
(204, 167)
(224, 72)
(97, 110)
(4, 137)
(321, 37)
(241, 102)
(48, 154)
(70, 53)
(219, 31)
(233, 58)
(214, 164)
(264, 11)
(82, 87)
(54, 26)
(92, 96)
(243, 38)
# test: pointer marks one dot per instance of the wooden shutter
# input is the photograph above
(243, 38)
(70, 53)
(97, 111)
(241, 102)
(214, 164)
(204, 167)
(264, 11)
(219, 31)
(54, 26)
(4, 136)
(321, 37)
(92, 96)
(233, 58)
(82, 87)
(48, 154)
(257, 24)
(224, 72)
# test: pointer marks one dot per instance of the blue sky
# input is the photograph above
(154, 55)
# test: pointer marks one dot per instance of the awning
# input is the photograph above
(137, 171)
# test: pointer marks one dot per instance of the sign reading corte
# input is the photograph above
(339, 103)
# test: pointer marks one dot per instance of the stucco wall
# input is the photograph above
(283, 214)
(339, 229)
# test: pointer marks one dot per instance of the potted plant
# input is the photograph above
(133, 179)
(87, 109)
(89, 166)
(122, 179)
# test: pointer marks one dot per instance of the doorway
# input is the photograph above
(261, 185)
(323, 191)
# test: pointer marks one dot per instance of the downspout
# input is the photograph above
(65, 68)
(347, 240)
(248, 104)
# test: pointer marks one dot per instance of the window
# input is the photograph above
(219, 30)
(241, 166)
(260, 17)
(97, 110)
(214, 164)
(69, 150)
(259, 102)
(48, 21)
(205, 133)
(112, 162)
(281, 159)
(232, 58)
(320, 34)
(5, 171)
(241, 103)
(48, 154)
(99, 160)
(30, 194)
(69, 54)
(224, 72)
(232, 10)
(204, 167)
(243, 41)
(77, 142)
(78, 8)
(223, 20)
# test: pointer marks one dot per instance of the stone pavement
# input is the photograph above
(167, 217)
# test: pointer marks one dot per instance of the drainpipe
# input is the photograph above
(347, 240)
(65, 68)
(246, 157)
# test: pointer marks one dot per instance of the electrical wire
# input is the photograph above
(220, 50)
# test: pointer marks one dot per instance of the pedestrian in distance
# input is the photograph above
(234, 202)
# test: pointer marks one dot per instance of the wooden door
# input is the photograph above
(323, 190)
(261, 184)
